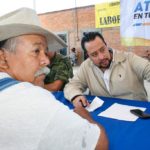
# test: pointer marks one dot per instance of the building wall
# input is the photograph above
(76, 21)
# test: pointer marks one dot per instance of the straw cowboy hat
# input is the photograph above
(25, 21)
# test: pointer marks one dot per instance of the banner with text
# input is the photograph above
(135, 22)
(107, 14)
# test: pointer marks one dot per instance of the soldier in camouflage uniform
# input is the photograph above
(60, 71)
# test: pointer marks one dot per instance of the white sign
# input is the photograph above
(135, 22)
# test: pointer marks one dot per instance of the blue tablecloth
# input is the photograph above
(122, 135)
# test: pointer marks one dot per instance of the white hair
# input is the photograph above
(10, 44)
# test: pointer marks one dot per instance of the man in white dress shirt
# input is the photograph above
(30, 117)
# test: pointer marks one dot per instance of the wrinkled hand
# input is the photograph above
(80, 101)
(39, 80)
(83, 113)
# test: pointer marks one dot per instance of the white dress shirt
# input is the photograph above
(32, 119)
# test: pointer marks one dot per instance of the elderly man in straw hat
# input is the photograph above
(30, 117)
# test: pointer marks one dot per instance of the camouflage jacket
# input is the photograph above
(60, 69)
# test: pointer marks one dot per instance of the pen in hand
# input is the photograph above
(82, 103)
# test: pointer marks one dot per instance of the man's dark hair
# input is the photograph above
(90, 36)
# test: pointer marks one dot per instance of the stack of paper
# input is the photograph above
(96, 103)
(120, 112)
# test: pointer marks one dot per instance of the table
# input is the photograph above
(122, 135)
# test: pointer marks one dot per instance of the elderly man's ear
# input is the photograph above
(3, 62)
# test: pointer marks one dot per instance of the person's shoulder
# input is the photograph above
(64, 60)
(59, 60)
(125, 56)
(61, 57)
(28, 93)
(120, 56)
(86, 62)
(32, 91)
(123, 53)
(26, 88)
(128, 54)
(86, 65)
(62, 64)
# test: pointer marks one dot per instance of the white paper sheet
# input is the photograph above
(121, 112)
(96, 103)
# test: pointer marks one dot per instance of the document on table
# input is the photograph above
(96, 103)
(120, 112)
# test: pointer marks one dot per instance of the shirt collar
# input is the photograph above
(4, 75)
